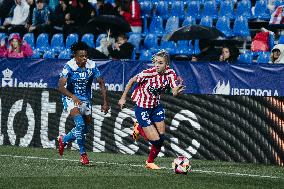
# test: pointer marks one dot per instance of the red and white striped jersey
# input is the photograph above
(151, 84)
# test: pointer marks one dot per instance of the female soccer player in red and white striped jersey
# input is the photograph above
(149, 113)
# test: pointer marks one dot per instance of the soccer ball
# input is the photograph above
(181, 165)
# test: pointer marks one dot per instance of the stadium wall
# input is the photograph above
(213, 127)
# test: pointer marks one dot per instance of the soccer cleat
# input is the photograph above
(152, 166)
(84, 159)
(135, 134)
(60, 145)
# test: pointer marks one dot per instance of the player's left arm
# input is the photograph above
(105, 106)
(176, 88)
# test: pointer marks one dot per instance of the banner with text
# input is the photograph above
(213, 127)
(199, 78)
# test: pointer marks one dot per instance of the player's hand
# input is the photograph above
(76, 100)
(121, 102)
(105, 108)
(181, 88)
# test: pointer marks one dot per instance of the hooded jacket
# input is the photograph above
(25, 49)
(280, 59)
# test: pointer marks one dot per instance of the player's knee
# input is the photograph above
(79, 121)
(158, 143)
(86, 128)
(162, 138)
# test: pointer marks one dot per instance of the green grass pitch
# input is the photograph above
(42, 168)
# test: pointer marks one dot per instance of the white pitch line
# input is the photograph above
(135, 165)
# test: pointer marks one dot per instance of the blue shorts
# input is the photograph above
(148, 116)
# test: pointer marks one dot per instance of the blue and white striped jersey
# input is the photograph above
(79, 80)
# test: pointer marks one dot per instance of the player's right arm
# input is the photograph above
(62, 83)
(61, 87)
(129, 85)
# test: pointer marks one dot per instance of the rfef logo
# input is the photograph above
(7, 80)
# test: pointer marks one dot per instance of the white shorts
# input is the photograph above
(84, 108)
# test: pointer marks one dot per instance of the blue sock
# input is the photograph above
(80, 137)
(70, 137)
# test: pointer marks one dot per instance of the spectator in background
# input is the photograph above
(104, 43)
(130, 10)
(32, 5)
(82, 14)
(17, 22)
(277, 54)
(17, 48)
(105, 8)
(6, 6)
(207, 52)
(229, 53)
(60, 15)
(122, 48)
(40, 21)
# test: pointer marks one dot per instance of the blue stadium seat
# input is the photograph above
(244, 9)
(241, 28)
(261, 10)
(263, 57)
(89, 39)
(49, 55)
(30, 39)
(145, 24)
(71, 39)
(277, 3)
(223, 24)
(133, 56)
(57, 43)
(146, 8)
(177, 9)
(172, 24)
(193, 9)
(36, 54)
(42, 43)
(218, 2)
(271, 40)
(156, 26)
(189, 20)
(2, 35)
(184, 48)
(98, 40)
(281, 39)
(206, 21)
(210, 9)
(162, 9)
(146, 55)
(196, 49)
(135, 39)
(245, 58)
(65, 54)
(227, 9)
(150, 42)
(167, 45)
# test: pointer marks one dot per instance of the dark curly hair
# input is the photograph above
(79, 46)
